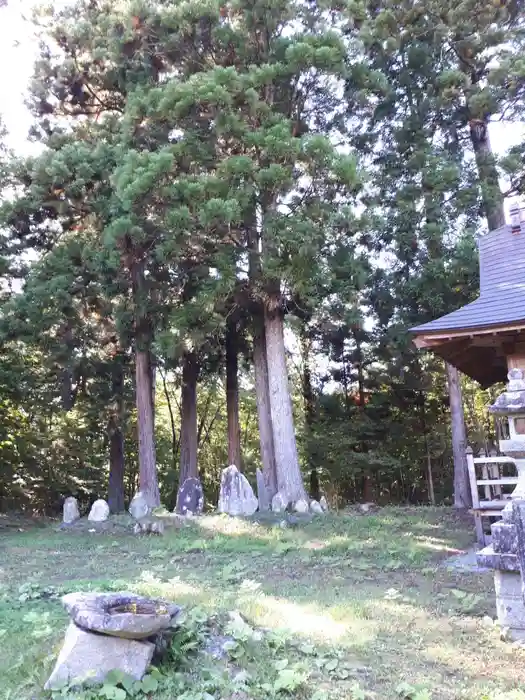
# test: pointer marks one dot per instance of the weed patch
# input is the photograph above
(346, 606)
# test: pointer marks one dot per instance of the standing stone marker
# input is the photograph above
(316, 508)
(71, 512)
(99, 511)
(236, 496)
(301, 506)
(262, 492)
(279, 503)
(139, 507)
(323, 503)
(190, 498)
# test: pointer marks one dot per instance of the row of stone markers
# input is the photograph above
(236, 498)
(98, 513)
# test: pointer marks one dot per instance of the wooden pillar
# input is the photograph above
(516, 361)
(515, 354)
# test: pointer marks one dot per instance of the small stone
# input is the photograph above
(487, 621)
(157, 527)
(279, 503)
(283, 524)
(161, 511)
(139, 507)
(505, 634)
(323, 503)
(316, 508)
(262, 492)
(71, 512)
(125, 615)
(236, 495)
(87, 657)
(99, 511)
(365, 508)
(190, 497)
(148, 525)
(301, 506)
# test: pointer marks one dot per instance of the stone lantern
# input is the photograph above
(486, 339)
(511, 406)
(501, 555)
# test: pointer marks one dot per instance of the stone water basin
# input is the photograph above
(124, 615)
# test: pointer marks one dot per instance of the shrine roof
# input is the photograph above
(502, 288)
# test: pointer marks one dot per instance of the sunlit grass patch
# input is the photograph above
(362, 602)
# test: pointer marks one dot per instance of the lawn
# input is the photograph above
(347, 606)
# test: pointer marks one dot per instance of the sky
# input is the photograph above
(18, 51)
(18, 48)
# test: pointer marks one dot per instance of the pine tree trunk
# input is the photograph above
(116, 491)
(264, 415)
(488, 174)
(289, 479)
(232, 397)
(188, 433)
(147, 460)
(174, 439)
(153, 373)
(309, 410)
(116, 470)
(462, 496)
(148, 483)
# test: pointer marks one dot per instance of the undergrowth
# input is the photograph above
(342, 608)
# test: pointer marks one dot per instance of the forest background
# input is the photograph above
(212, 188)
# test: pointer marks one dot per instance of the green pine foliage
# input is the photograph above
(203, 160)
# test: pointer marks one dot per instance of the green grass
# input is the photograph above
(361, 603)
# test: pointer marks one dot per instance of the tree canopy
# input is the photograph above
(237, 211)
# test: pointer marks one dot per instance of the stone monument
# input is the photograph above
(262, 492)
(236, 496)
(139, 507)
(99, 511)
(501, 554)
(71, 511)
(190, 497)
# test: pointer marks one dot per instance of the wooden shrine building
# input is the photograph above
(485, 339)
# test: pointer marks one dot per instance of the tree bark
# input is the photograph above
(309, 410)
(289, 478)
(488, 174)
(462, 495)
(264, 415)
(174, 439)
(116, 491)
(148, 483)
(188, 432)
(116, 471)
(147, 459)
(232, 397)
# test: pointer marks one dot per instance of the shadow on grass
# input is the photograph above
(368, 588)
